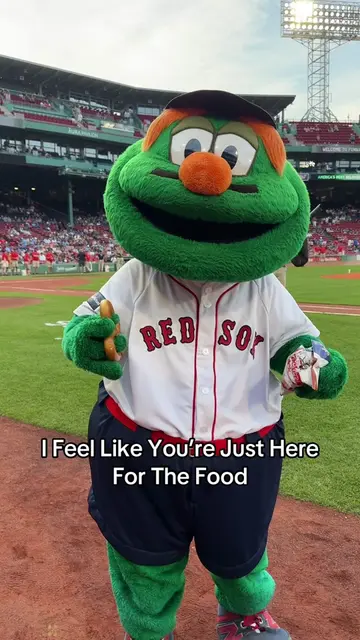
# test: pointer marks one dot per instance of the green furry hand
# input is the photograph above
(332, 379)
(83, 344)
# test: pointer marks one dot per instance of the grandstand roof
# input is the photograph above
(28, 76)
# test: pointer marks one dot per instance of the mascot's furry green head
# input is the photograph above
(208, 194)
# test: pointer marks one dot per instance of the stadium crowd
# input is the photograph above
(28, 239)
(336, 233)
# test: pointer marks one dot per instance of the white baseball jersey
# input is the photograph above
(198, 357)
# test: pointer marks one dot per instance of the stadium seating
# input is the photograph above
(146, 121)
(25, 229)
(336, 237)
(47, 118)
(66, 113)
(60, 112)
(30, 100)
(96, 113)
(313, 133)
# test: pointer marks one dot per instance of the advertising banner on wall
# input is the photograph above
(338, 176)
(336, 148)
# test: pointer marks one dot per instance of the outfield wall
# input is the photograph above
(73, 267)
(347, 258)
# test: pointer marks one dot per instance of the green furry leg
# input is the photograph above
(147, 598)
(248, 595)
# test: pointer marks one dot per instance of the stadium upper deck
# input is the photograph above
(86, 106)
(75, 126)
(41, 94)
(30, 77)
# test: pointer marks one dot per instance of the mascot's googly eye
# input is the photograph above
(189, 141)
(237, 152)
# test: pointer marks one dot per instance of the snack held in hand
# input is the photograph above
(107, 311)
(209, 208)
(304, 367)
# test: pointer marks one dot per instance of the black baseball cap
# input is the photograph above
(221, 104)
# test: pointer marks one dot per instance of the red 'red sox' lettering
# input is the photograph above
(257, 340)
(187, 329)
(166, 330)
(150, 339)
(186, 332)
(227, 327)
(243, 337)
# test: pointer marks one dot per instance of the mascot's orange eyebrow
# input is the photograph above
(272, 142)
(269, 135)
(164, 120)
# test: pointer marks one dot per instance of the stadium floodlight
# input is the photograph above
(321, 27)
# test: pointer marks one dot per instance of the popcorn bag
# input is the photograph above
(303, 367)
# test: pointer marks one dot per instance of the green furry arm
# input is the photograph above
(332, 378)
(83, 344)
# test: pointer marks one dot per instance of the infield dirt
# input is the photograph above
(343, 276)
(54, 579)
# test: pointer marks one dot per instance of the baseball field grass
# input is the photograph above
(311, 285)
(40, 387)
(322, 284)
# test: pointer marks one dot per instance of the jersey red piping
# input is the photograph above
(195, 352)
(214, 356)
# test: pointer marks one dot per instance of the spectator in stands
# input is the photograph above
(108, 260)
(5, 263)
(14, 257)
(27, 263)
(101, 263)
(119, 259)
(88, 261)
(49, 261)
(35, 261)
(128, 116)
(81, 261)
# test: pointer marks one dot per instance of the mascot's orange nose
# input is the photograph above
(206, 174)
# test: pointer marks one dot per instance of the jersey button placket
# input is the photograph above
(205, 299)
(205, 374)
(206, 303)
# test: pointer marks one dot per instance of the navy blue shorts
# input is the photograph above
(154, 524)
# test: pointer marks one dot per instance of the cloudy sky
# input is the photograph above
(225, 44)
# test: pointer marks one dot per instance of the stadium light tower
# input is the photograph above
(320, 27)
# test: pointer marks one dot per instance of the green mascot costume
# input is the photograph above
(209, 208)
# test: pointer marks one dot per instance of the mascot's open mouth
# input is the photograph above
(201, 230)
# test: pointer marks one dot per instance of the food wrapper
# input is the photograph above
(303, 367)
